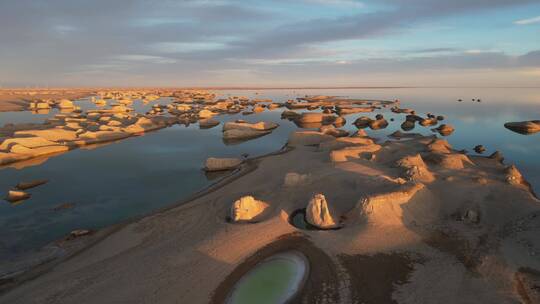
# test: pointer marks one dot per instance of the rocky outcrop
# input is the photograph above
(374, 124)
(513, 176)
(55, 134)
(398, 135)
(343, 142)
(343, 155)
(444, 130)
(205, 114)
(308, 138)
(307, 118)
(247, 208)
(65, 104)
(479, 149)
(15, 196)
(221, 164)
(243, 134)
(331, 130)
(449, 160)
(32, 184)
(318, 213)
(345, 110)
(290, 114)
(208, 123)
(243, 125)
(524, 127)
(415, 169)
(385, 208)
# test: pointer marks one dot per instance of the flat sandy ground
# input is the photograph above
(402, 241)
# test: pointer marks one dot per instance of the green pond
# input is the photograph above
(273, 281)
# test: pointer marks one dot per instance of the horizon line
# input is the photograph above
(226, 88)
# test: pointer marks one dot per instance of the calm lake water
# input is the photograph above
(133, 177)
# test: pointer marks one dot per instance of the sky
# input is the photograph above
(273, 43)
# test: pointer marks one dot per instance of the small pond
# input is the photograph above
(273, 281)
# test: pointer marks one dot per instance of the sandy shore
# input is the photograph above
(457, 229)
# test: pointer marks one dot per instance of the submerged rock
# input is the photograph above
(318, 214)
(221, 164)
(247, 208)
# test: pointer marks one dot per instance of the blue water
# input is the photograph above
(135, 176)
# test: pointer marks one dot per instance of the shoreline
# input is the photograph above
(204, 246)
(100, 234)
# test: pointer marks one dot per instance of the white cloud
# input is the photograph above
(478, 51)
(63, 29)
(186, 47)
(528, 21)
(348, 3)
(144, 58)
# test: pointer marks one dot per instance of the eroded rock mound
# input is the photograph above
(15, 196)
(385, 208)
(415, 169)
(524, 127)
(343, 155)
(444, 129)
(318, 213)
(449, 160)
(241, 130)
(308, 138)
(247, 208)
(513, 176)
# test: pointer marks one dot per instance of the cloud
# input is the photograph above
(528, 21)
(144, 58)
(478, 51)
(177, 39)
(342, 3)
